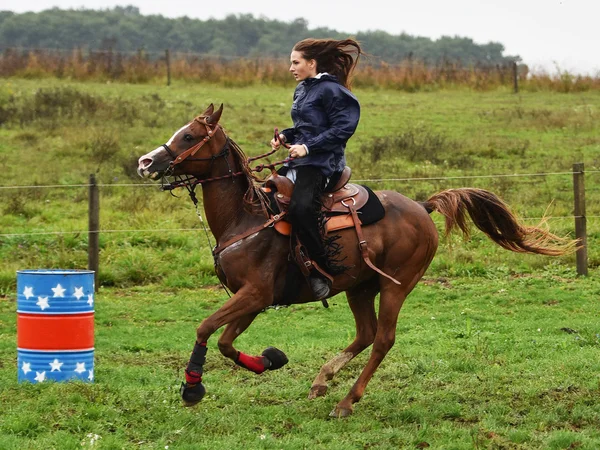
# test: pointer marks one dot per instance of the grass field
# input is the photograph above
(57, 133)
(508, 363)
(494, 349)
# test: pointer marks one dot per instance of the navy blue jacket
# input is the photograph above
(325, 116)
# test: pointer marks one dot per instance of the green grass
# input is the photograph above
(58, 132)
(509, 362)
(485, 355)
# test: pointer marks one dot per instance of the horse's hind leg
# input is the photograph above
(392, 298)
(361, 301)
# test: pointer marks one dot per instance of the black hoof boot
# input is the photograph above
(192, 393)
(276, 357)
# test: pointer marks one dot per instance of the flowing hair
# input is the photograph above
(336, 57)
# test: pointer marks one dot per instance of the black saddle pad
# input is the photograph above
(372, 211)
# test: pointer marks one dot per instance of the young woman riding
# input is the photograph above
(325, 115)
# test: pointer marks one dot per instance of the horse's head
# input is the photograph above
(192, 150)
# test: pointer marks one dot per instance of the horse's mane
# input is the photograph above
(255, 199)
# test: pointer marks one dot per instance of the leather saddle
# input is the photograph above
(340, 205)
(336, 200)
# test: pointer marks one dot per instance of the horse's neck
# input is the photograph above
(224, 203)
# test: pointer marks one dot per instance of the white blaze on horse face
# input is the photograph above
(145, 162)
(170, 141)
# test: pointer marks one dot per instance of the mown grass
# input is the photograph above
(494, 349)
(507, 362)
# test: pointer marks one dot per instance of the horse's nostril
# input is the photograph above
(144, 163)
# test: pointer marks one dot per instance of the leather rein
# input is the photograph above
(192, 181)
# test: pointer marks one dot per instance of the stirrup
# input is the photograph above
(320, 287)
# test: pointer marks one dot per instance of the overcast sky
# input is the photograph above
(546, 33)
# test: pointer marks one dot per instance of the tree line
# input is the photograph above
(124, 29)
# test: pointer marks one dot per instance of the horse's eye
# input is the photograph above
(188, 137)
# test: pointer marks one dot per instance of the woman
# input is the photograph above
(325, 115)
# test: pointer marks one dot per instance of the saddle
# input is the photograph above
(336, 201)
(341, 205)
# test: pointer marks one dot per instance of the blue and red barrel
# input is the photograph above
(55, 325)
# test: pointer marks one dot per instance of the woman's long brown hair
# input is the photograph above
(336, 57)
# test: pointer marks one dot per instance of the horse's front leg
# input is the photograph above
(245, 303)
(270, 359)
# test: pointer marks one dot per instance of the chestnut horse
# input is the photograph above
(253, 266)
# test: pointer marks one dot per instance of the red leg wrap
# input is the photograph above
(192, 377)
(255, 364)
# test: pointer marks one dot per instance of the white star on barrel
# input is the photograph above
(80, 367)
(55, 365)
(78, 293)
(59, 291)
(90, 299)
(40, 376)
(28, 292)
(43, 303)
(26, 367)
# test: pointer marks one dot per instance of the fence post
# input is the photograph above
(515, 77)
(580, 219)
(168, 59)
(94, 229)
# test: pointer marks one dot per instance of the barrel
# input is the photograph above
(55, 325)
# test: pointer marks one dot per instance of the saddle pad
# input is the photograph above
(371, 212)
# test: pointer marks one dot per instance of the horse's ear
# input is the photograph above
(215, 116)
(209, 110)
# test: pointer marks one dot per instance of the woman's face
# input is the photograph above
(302, 68)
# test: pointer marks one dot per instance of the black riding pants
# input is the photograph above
(304, 212)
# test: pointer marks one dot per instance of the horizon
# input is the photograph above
(549, 37)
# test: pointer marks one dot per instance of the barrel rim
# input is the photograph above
(75, 350)
(54, 271)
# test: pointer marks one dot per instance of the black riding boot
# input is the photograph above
(305, 215)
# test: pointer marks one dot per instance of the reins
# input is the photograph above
(194, 181)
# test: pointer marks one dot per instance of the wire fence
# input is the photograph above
(364, 180)
(94, 230)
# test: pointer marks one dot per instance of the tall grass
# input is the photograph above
(57, 132)
(410, 75)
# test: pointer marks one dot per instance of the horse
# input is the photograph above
(253, 256)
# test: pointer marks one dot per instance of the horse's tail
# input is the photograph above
(492, 216)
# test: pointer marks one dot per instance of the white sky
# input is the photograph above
(547, 34)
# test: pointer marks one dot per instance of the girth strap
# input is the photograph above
(362, 245)
(269, 223)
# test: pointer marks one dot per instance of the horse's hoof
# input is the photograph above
(191, 394)
(276, 357)
(339, 412)
(317, 391)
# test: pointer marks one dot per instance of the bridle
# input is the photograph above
(187, 154)
(191, 181)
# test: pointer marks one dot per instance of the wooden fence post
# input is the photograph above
(94, 229)
(168, 59)
(580, 219)
(516, 77)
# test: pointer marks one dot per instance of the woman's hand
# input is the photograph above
(297, 151)
(276, 143)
